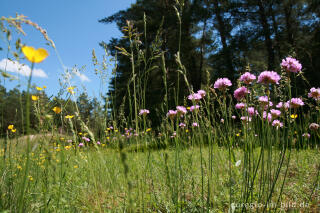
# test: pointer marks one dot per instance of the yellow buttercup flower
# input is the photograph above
(294, 116)
(39, 88)
(10, 126)
(56, 109)
(69, 116)
(13, 130)
(33, 55)
(34, 97)
(148, 130)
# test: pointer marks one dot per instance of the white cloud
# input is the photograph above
(82, 77)
(22, 69)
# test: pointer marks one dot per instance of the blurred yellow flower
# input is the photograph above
(34, 97)
(148, 130)
(56, 109)
(294, 116)
(69, 116)
(10, 126)
(75, 166)
(30, 178)
(70, 90)
(44, 87)
(39, 88)
(33, 55)
(13, 130)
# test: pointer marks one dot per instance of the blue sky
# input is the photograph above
(75, 30)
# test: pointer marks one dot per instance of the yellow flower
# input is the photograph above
(33, 55)
(70, 90)
(56, 109)
(294, 116)
(44, 87)
(80, 133)
(13, 130)
(148, 130)
(30, 178)
(34, 97)
(75, 166)
(116, 130)
(10, 126)
(19, 167)
(69, 116)
(67, 147)
(39, 88)
(187, 130)
(238, 134)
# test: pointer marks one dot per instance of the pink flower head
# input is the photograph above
(314, 126)
(291, 65)
(252, 111)
(194, 124)
(233, 117)
(181, 110)
(314, 93)
(269, 77)
(277, 123)
(246, 118)
(192, 108)
(247, 78)
(267, 116)
(202, 93)
(275, 113)
(144, 112)
(264, 100)
(81, 145)
(172, 113)
(182, 125)
(282, 105)
(296, 102)
(86, 139)
(69, 141)
(240, 105)
(194, 97)
(98, 142)
(306, 135)
(222, 83)
(240, 93)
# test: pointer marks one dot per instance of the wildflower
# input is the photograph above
(246, 118)
(306, 135)
(296, 102)
(282, 105)
(30, 178)
(233, 117)
(98, 142)
(263, 100)
(194, 97)
(247, 78)
(182, 125)
(181, 110)
(194, 124)
(267, 116)
(202, 93)
(81, 145)
(192, 108)
(39, 88)
(238, 163)
(269, 77)
(314, 93)
(56, 109)
(252, 111)
(67, 147)
(34, 97)
(19, 167)
(69, 141)
(277, 124)
(44, 87)
(294, 116)
(148, 130)
(240, 93)
(240, 105)
(314, 126)
(86, 139)
(144, 112)
(222, 120)
(222, 83)
(291, 65)
(33, 55)
(238, 134)
(69, 116)
(11, 126)
(171, 114)
(13, 130)
(275, 113)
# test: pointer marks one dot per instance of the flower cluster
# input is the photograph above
(291, 65)
(269, 77)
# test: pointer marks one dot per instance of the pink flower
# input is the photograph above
(81, 145)
(222, 83)
(247, 78)
(306, 135)
(144, 112)
(314, 93)
(314, 126)
(194, 124)
(86, 139)
(192, 108)
(267, 116)
(275, 113)
(233, 117)
(69, 141)
(181, 110)
(291, 65)
(240, 93)
(246, 118)
(296, 102)
(194, 97)
(277, 124)
(282, 105)
(252, 111)
(240, 105)
(98, 143)
(171, 114)
(269, 77)
(202, 93)
(182, 125)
